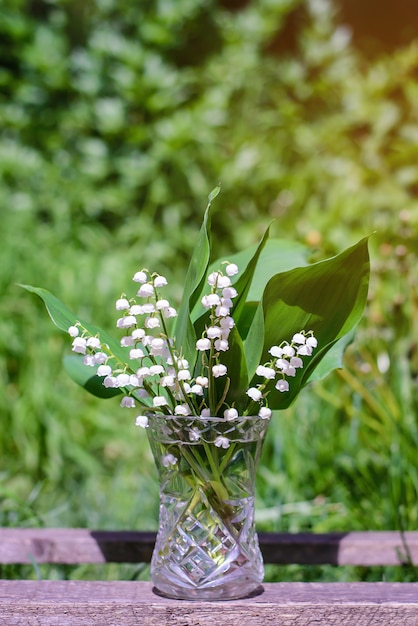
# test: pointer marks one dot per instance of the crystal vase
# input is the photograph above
(207, 546)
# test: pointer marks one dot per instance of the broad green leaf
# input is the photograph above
(257, 265)
(327, 297)
(63, 318)
(276, 255)
(244, 282)
(333, 359)
(268, 259)
(246, 319)
(254, 342)
(58, 312)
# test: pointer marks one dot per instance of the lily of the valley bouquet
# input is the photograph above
(205, 378)
(250, 332)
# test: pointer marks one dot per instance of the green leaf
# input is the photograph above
(234, 359)
(244, 282)
(83, 376)
(327, 297)
(269, 258)
(184, 330)
(333, 359)
(58, 312)
(63, 318)
(277, 255)
(254, 342)
(257, 265)
(214, 194)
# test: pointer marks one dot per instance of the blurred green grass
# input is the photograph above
(115, 124)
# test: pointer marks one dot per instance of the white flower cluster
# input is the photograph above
(286, 360)
(157, 376)
(219, 303)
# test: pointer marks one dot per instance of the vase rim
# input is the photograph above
(211, 419)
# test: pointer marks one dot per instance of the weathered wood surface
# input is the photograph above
(79, 603)
(78, 545)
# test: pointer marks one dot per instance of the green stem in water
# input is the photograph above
(212, 486)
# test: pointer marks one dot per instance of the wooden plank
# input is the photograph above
(81, 603)
(79, 545)
(354, 548)
(74, 545)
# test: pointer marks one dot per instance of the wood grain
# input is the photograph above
(82, 603)
(79, 545)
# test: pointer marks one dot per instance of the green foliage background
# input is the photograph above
(116, 120)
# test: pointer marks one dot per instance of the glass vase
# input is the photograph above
(207, 546)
